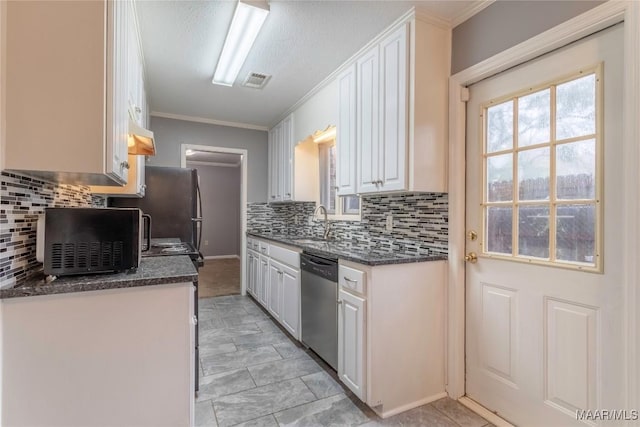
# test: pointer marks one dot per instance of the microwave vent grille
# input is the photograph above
(86, 256)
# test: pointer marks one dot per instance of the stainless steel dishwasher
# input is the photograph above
(319, 283)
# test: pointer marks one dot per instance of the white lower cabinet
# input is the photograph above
(391, 334)
(290, 300)
(274, 281)
(275, 289)
(251, 283)
(351, 342)
(263, 279)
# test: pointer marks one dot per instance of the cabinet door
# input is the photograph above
(249, 277)
(275, 289)
(393, 111)
(351, 343)
(118, 90)
(274, 161)
(290, 316)
(346, 137)
(135, 186)
(264, 280)
(286, 158)
(367, 106)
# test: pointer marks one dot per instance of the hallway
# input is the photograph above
(219, 277)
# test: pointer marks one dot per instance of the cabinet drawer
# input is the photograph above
(352, 279)
(264, 248)
(285, 256)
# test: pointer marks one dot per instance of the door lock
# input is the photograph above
(472, 235)
(472, 257)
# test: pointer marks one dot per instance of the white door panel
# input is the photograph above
(543, 342)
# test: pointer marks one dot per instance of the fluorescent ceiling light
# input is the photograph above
(245, 26)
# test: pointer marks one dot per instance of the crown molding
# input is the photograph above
(405, 17)
(474, 8)
(208, 121)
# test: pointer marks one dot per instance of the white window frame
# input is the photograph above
(339, 201)
(596, 267)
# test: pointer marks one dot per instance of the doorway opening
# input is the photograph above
(222, 179)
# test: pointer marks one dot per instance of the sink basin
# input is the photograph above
(307, 240)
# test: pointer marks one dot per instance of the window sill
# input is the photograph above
(354, 218)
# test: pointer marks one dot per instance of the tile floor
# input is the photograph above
(253, 374)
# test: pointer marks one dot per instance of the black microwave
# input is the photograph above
(91, 240)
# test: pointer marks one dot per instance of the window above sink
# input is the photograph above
(338, 207)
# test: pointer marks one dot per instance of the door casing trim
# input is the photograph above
(592, 21)
(243, 198)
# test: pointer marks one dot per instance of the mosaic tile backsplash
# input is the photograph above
(22, 199)
(420, 222)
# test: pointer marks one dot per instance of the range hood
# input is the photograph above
(140, 140)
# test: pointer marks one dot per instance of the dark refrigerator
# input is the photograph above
(171, 199)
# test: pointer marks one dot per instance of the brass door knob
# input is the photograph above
(472, 257)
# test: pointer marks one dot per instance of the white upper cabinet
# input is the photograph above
(368, 143)
(137, 109)
(66, 100)
(401, 112)
(282, 148)
(287, 147)
(393, 112)
(346, 132)
(275, 190)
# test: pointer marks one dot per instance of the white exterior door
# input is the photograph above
(544, 321)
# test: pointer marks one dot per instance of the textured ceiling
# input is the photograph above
(300, 44)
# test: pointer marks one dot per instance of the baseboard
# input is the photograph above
(484, 412)
(403, 408)
(222, 257)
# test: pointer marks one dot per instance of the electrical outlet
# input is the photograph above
(206, 243)
(389, 225)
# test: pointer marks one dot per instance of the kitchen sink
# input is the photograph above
(308, 240)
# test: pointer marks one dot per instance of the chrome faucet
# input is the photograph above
(327, 227)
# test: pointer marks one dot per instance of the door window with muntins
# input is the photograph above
(542, 173)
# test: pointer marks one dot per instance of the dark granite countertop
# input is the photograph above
(152, 271)
(350, 251)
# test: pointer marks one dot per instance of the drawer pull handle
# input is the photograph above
(339, 302)
(350, 280)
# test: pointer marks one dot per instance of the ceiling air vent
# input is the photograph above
(256, 80)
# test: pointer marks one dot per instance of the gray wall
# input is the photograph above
(504, 24)
(220, 188)
(170, 134)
